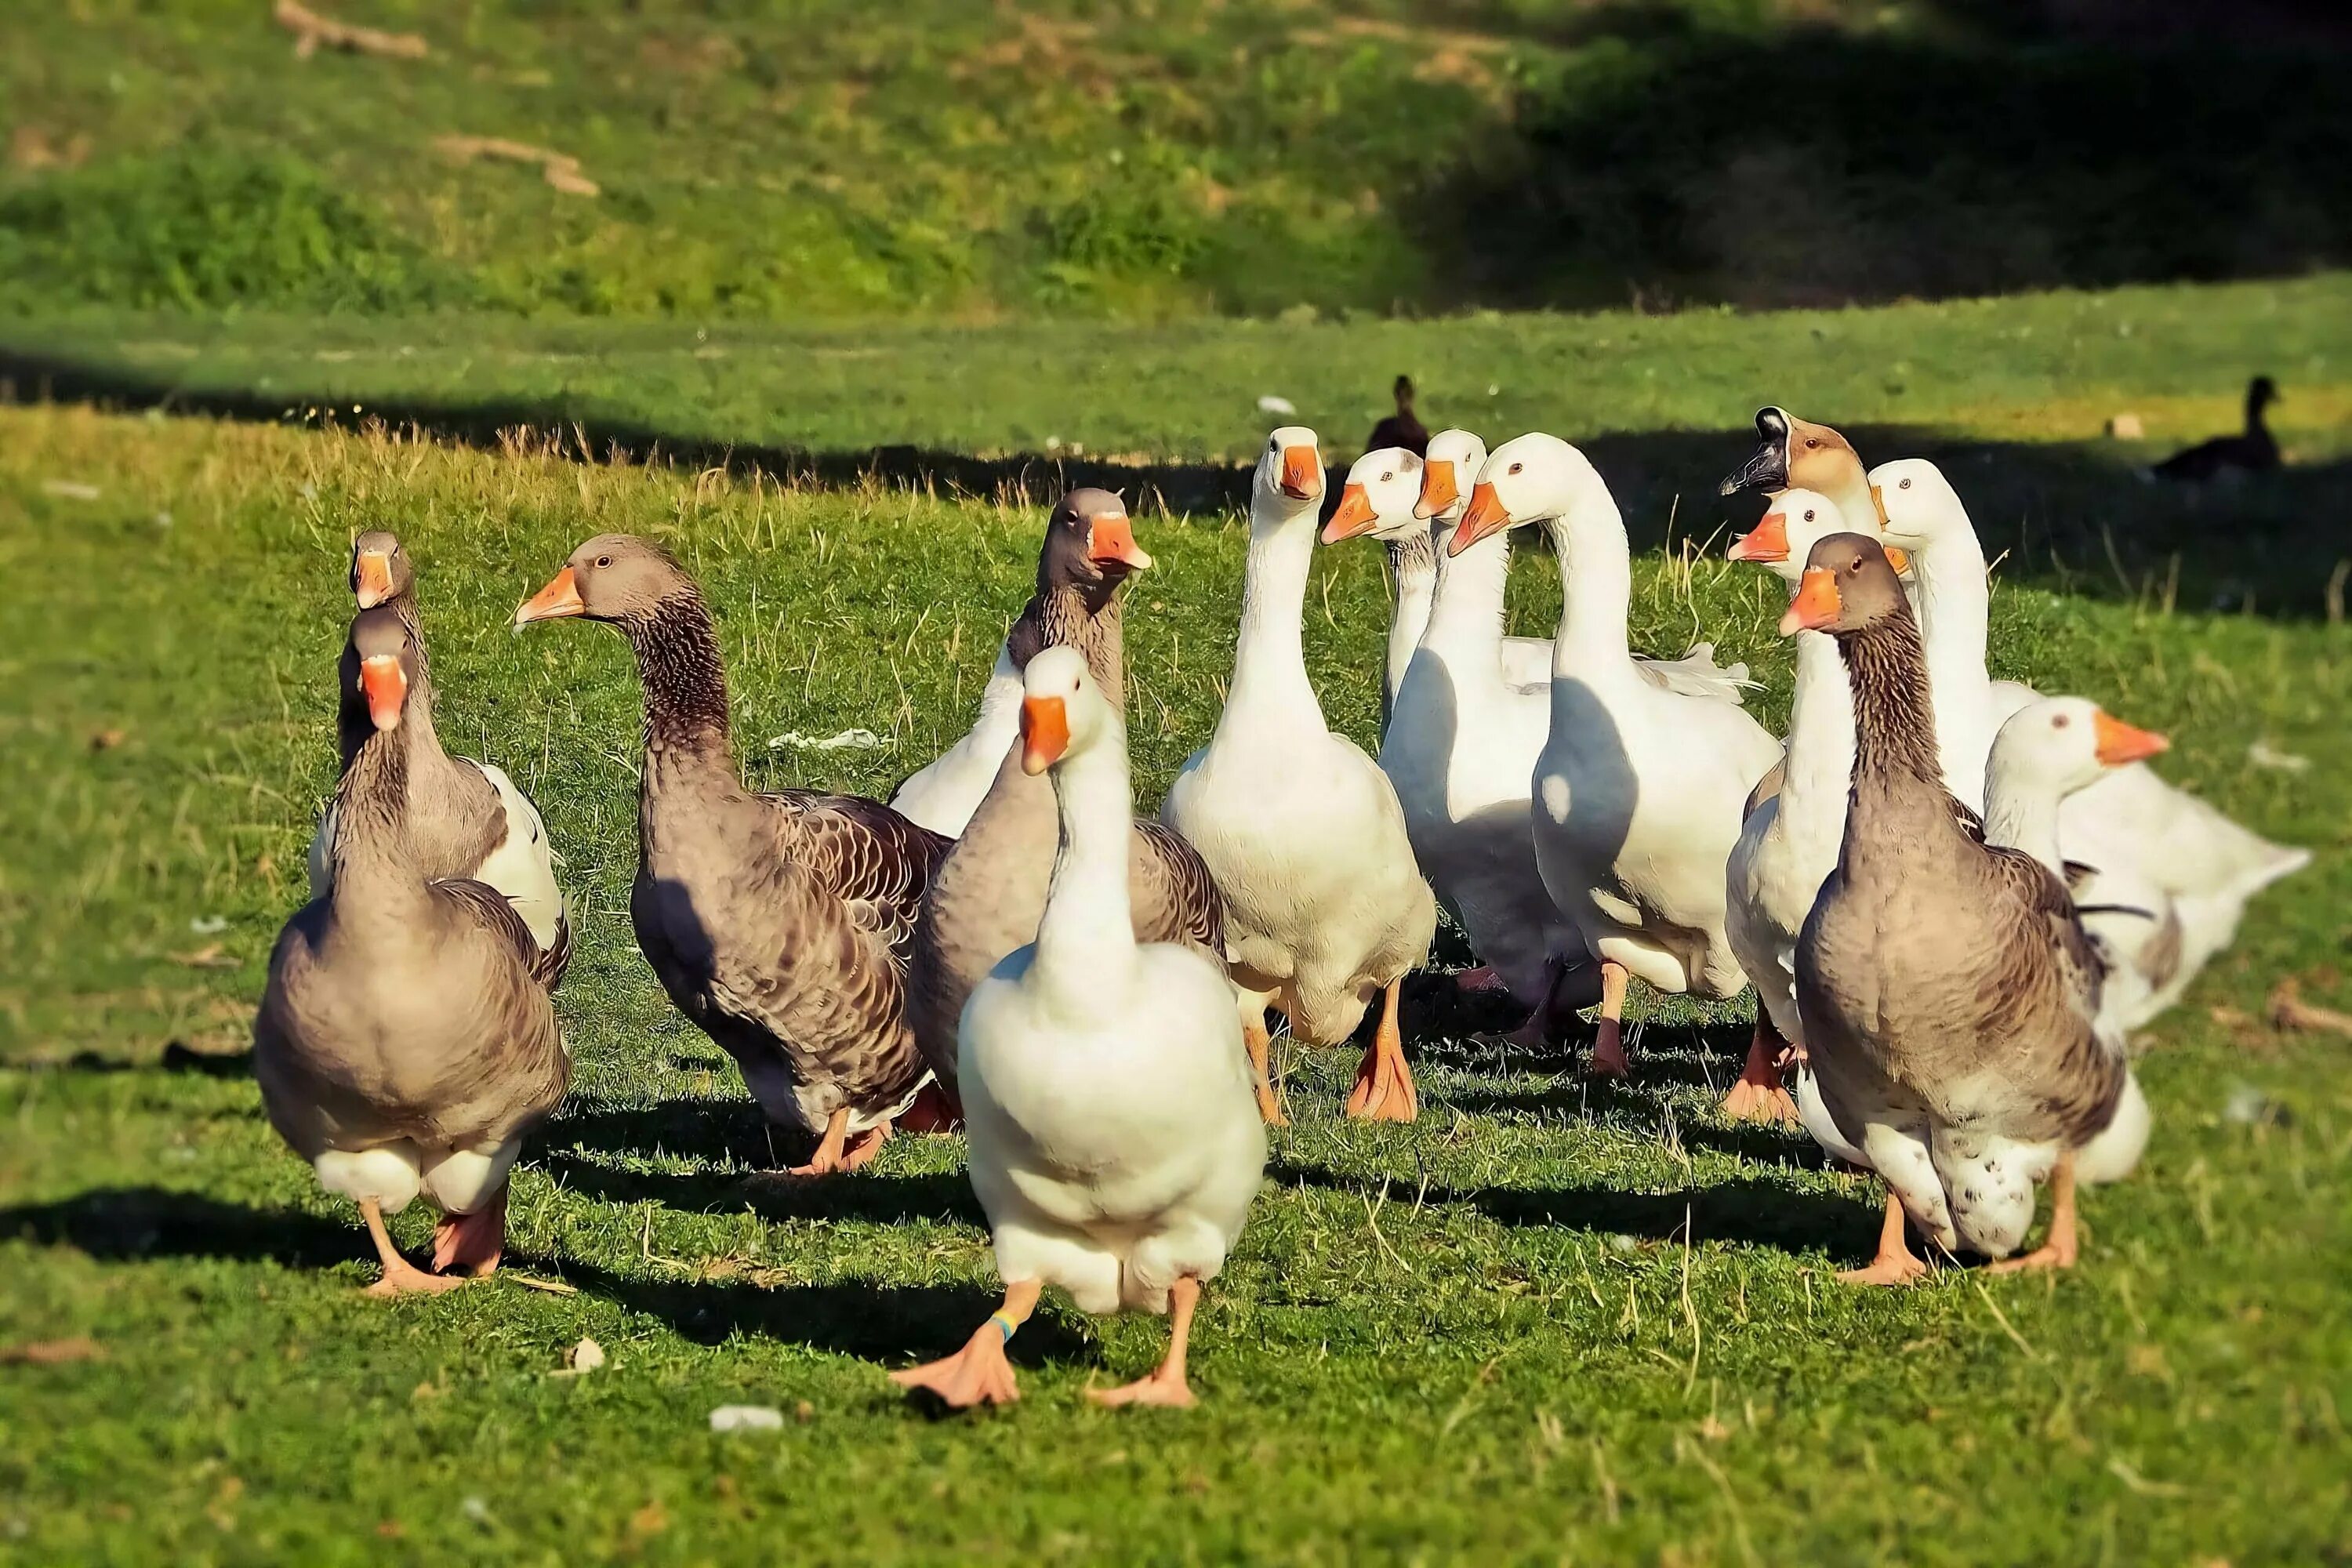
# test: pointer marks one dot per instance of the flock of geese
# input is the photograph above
(1952, 896)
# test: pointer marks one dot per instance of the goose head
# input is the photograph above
(2060, 744)
(612, 577)
(2260, 393)
(1529, 479)
(1796, 454)
(1919, 503)
(1793, 521)
(381, 663)
(1378, 497)
(1447, 473)
(1063, 713)
(1089, 543)
(1848, 584)
(381, 569)
(1288, 482)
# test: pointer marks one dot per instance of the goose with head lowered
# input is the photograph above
(1638, 793)
(1950, 996)
(986, 897)
(406, 1041)
(777, 924)
(1115, 1144)
(466, 818)
(1325, 906)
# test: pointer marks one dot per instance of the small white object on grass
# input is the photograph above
(1270, 404)
(2126, 428)
(208, 925)
(846, 741)
(747, 1418)
(2262, 754)
(68, 490)
(583, 1358)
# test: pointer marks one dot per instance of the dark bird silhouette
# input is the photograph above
(2252, 450)
(1401, 428)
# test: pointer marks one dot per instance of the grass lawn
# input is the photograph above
(1544, 1323)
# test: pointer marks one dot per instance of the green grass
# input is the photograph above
(951, 159)
(1540, 1324)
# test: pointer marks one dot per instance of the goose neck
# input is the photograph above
(1896, 769)
(1468, 617)
(1414, 559)
(1270, 656)
(1086, 940)
(2023, 816)
(1086, 618)
(1820, 765)
(1596, 578)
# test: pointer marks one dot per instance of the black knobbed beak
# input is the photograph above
(1767, 467)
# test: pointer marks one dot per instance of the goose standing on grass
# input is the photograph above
(1951, 997)
(406, 1040)
(989, 888)
(1325, 906)
(1462, 738)
(777, 924)
(466, 818)
(1401, 428)
(2129, 823)
(1114, 1143)
(1639, 792)
(2254, 450)
(1788, 844)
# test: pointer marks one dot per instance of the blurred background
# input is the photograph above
(824, 160)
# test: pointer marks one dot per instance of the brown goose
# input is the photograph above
(779, 923)
(1948, 991)
(466, 818)
(406, 1041)
(989, 892)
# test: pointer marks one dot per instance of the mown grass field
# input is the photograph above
(1546, 1322)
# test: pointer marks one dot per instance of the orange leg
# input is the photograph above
(861, 1150)
(474, 1242)
(827, 1159)
(400, 1276)
(1383, 1090)
(2058, 1252)
(1894, 1265)
(1608, 1044)
(1165, 1385)
(1261, 1055)
(1760, 1095)
(979, 1373)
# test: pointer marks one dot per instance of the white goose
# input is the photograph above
(1462, 736)
(1639, 793)
(1115, 1142)
(2130, 823)
(1324, 903)
(1788, 844)
(945, 791)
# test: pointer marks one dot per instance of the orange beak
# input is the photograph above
(386, 686)
(1815, 608)
(2119, 743)
(1768, 542)
(1485, 515)
(1110, 541)
(1045, 733)
(372, 575)
(1438, 489)
(559, 597)
(1898, 557)
(1354, 517)
(1302, 478)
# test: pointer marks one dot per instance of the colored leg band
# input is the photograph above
(1004, 1325)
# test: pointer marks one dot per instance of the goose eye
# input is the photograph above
(1811, 443)
(603, 561)
(2060, 721)
(1903, 486)
(1809, 514)
(1386, 477)
(1517, 467)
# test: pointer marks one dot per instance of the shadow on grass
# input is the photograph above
(875, 1322)
(867, 1195)
(178, 1056)
(2073, 517)
(1746, 1211)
